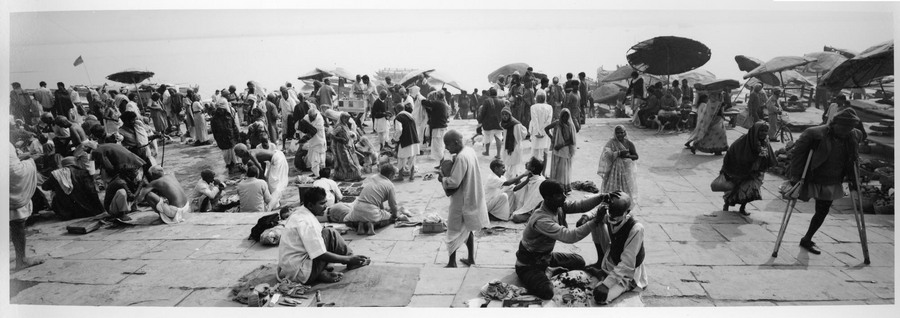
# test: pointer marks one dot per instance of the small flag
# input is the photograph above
(78, 61)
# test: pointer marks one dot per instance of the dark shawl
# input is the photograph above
(224, 130)
(742, 157)
(409, 135)
(510, 127)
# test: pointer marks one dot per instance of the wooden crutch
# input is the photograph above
(793, 194)
(859, 215)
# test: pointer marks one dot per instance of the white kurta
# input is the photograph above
(541, 116)
(277, 177)
(468, 211)
(420, 116)
(515, 161)
(316, 144)
(496, 197)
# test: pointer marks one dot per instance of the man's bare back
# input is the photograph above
(168, 187)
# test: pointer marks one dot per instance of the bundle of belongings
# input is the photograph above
(433, 223)
(573, 289)
(586, 186)
(268, 228)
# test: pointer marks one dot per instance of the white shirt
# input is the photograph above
(318, 140)
(332, 192)
(493, 186)
(300, 243)
(541, 116)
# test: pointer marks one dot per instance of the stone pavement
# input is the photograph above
(697, 255)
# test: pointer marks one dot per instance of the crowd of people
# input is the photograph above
(58, 147)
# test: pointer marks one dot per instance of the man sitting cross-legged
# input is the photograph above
(165, 195)
(368, 211)
(620, 247)
(306, 248)
(543, 230)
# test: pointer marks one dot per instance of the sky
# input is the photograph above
(216, 48)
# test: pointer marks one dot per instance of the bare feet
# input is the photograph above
(451, 264)
(27, 262)
(467, 262)
(367, 261)
(329, 277)
(485, 153)
(370, 228)
(361, 228)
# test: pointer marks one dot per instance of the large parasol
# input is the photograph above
(668, 55)
(824, 61)
(412, 77)
(696, 76)
(791, 78)
(320, 74)
(432, 77)
(608, 93)
(507, 70)
(719, 84)
(779, 65)
(131, 77)
(873, 63)
(845, 52)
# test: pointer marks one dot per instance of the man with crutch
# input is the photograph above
(834, 158)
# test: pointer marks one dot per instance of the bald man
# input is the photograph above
(620, 241)
(461, 180)
(165, 195)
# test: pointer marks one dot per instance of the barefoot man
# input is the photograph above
(165, 196)
(306, 248)
(23, 177)
(468, 211)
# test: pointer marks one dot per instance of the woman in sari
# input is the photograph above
(201, 136)
(513, 154)
(617, 165)
(745, 165)
(346, 165)
(709, 135)
(564, 143)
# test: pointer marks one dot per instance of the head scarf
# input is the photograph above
(510, 127)
(742, 156)
(22, 180)
(414, 91)
(63, 175)
(565, 133)
(846, 117)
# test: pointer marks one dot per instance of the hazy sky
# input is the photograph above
(215, 48)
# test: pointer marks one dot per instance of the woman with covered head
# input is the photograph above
(709, 135)
(225, 131)
(160, 122)
(745, 165)
(513, 153)
(564, 139)
(74, 193)
(346, 165)
(617, 164)
(201, 136)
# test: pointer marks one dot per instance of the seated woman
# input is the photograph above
(74, 193)
(368, 212)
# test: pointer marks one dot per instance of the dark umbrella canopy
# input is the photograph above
(506, 70)
(824, 61)
(845, 52)
(720, 84)
(779, 64)
(871, 64)
(668, 55)
(130, 77)
(747, 63)
(411, 77)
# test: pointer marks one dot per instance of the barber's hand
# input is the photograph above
(581, 221)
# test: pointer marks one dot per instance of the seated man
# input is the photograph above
(497, 191)
(207, 192)
(306, 248)
(75, 195)
(333, 193)
(526, 194)
(253, 193)
(368, 212)
(543, 229)
(620, 246)
(165, 195)
(668, 110)
(273, 163)
(651, 109)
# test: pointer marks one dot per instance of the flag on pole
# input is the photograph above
(78, 61)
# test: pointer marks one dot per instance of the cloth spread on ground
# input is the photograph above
(573, 289)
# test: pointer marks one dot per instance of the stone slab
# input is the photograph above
(221, 249)
(667, 281)
(80, 249)
(259, 251)
(210, 297)
(878, 280)
(100, 295)
(431, 301)
(435, 280)
(101, 272)
(477, 277)
(677, 302)
(780, 283)
(173, 250)
(760, 253)
(706, 253)
(692, 233)
(661, 252)
(127, 249)
(414, 252)
(377, 250)
(192, 273)
(744, 233)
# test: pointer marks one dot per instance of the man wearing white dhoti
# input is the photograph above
(468, 212)
(541, 116)
(315, 158)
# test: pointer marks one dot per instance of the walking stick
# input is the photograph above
(859, 215)
(793, 194)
